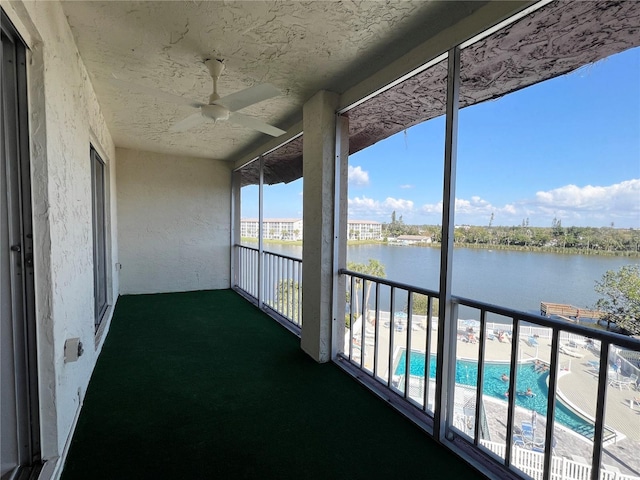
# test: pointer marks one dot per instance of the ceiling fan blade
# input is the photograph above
(153, 92)
(248, 96)
(189, 122)
(255, 124)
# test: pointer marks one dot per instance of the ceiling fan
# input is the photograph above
(221, 109)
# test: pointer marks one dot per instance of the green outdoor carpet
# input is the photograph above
(202, 385)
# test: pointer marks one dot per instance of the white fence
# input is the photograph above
(562, 468)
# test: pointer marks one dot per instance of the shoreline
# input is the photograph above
(512, 248)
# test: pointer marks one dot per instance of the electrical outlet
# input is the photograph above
(73, 349)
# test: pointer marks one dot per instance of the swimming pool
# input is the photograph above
(527, 377)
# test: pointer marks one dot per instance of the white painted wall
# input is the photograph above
(174, 222)
(65, 119)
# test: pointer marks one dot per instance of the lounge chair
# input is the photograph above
(567, 350)
(621, 382)
(518, 441)
(611, 468)
(578, 342)
(527, 430)
(538, 444)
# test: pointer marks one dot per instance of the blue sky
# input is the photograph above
(568, 148)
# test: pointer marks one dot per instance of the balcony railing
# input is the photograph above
(274, 281)
(544, 398)
(248, 265)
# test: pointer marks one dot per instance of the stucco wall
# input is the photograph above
(173, 217)
(65, 119)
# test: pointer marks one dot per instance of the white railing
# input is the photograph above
(398, 350)
(562, 468)
(390, 328)
(283, 286)
(248, 265)
(273, 281)
(371, 344)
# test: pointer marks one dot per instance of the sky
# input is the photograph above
(567, 148)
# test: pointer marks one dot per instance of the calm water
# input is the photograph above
(519, 280)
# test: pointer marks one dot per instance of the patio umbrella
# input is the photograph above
(471, 323)
(400, 317)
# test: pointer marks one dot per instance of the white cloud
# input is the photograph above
(358, 177)
(620, 197)
(398, 204)
(474, 206)
(581, 206)
(364, 207)
(476, 211)
(589, 205)
(584, 206)
(405, 187)
(430, 208)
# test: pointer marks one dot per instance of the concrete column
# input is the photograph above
(319, 151)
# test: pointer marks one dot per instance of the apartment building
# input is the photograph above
(291, 229)
(274, 228)
(364, 230)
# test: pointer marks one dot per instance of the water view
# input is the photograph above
(514, 279)
(519, 280)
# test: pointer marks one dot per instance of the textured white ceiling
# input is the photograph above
(300, 47)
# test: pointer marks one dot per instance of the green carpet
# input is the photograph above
(202, 385)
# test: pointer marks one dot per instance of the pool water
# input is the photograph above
(527, 377)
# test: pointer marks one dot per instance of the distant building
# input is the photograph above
(364, 230)
(291, 229)
(273, 228)
(411, 239)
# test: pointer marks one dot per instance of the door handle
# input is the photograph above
(16, 248)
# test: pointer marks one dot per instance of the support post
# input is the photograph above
(236, 184)
(319, 149)
(260, 233)
(340, 234)
(447, 314)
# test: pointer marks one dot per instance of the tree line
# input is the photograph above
(554, 238)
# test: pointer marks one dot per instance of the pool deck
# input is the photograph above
(577, 385)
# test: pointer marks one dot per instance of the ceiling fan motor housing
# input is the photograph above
(215, 112)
